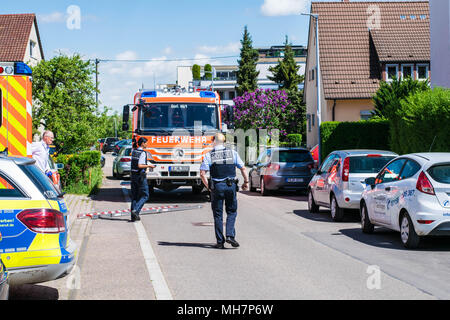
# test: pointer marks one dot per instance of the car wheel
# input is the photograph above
(312, 206)
(366, 225)
(264, 191)
(252, 188)
(408, 235)
(337, 214)
(114, 173)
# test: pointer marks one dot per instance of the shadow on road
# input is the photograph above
(325, 216)
(388, 239)
(33, 292)
(187, 244)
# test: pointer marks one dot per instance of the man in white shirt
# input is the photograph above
(40, 151)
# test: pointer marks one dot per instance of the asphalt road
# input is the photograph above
(285, 253)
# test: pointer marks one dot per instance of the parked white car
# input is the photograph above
(339, 182)
(411, 194)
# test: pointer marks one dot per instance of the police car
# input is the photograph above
(35, 245)
(411, 194)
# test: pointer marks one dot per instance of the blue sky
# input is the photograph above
(160, 30)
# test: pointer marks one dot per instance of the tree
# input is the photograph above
(387, 99)
(247, 76)
(196, 72)
(64, 93)
(208, 72)
(285, 73)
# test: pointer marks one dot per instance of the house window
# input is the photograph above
(391, 72)
(32, 48)
(313, 120)
(407, 71)
(232, 95)
(366, 114)
(308, 116)
(422, 71)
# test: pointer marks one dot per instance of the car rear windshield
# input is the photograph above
(440, 173)
(127, 152)
(292, 156)
(367, 164)
(41, 181)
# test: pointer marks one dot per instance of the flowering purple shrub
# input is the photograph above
(265, 109)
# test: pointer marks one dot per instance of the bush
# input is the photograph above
(82, 172)
(295, 139)
(422, 123)
(354, 135)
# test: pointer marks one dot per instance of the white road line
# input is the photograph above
(162, 291)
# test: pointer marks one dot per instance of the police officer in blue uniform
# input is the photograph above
(139, 184)
(222, 162)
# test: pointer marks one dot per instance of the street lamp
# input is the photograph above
(319, 107)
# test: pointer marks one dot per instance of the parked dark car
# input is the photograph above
(102, 161)
(4, 283)
(120, 144)
(282, 169)
(108, 145)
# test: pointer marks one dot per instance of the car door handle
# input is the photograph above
(387, 188)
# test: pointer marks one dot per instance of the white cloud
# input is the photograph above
(127, 55)
(52, 17)
(232, 47)
(284, 7)
(168, 50)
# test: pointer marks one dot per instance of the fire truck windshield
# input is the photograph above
(170, 117)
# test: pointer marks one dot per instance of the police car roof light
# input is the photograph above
(21, 68)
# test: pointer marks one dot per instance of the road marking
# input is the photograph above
(159, 283)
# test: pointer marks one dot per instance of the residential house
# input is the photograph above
(20, 40)
(440, 43)
(361, 44)
(225, 76)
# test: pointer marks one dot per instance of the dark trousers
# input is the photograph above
(221, 194)
(139, 192)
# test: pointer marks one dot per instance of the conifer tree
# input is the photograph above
(247, 75)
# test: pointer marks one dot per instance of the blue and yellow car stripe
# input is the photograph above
(20, 247)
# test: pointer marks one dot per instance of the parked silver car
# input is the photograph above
(122, 162)
(4, 284)
(340, 181)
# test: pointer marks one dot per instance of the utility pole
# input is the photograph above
(97, 61)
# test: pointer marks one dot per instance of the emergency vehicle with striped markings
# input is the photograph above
(35, 245)
(179, 126)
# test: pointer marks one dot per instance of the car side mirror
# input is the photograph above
(370, 182)
(126, 118)
(114, 154)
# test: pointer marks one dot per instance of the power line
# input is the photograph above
(161, 60)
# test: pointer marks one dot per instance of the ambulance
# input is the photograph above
(16, 126)
(179, 126)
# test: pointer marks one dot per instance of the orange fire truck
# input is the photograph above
(179, 127)
(16, 128)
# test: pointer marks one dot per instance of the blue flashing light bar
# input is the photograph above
(149, 94)
(21, 68)
(207, 94)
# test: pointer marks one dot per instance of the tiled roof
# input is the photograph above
(15, 32)
(350, 53)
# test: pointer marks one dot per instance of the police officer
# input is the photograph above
(139, 184)
(222, 162)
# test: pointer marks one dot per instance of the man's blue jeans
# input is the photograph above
(139, 192)
(221, 194)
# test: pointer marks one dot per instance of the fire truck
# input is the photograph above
(179, 126)
(16, 127)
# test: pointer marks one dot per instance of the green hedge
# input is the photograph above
(82, 172)
(422, 122)
(354, 135)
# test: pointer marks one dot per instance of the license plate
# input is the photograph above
(178, 169)
(295, 180)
